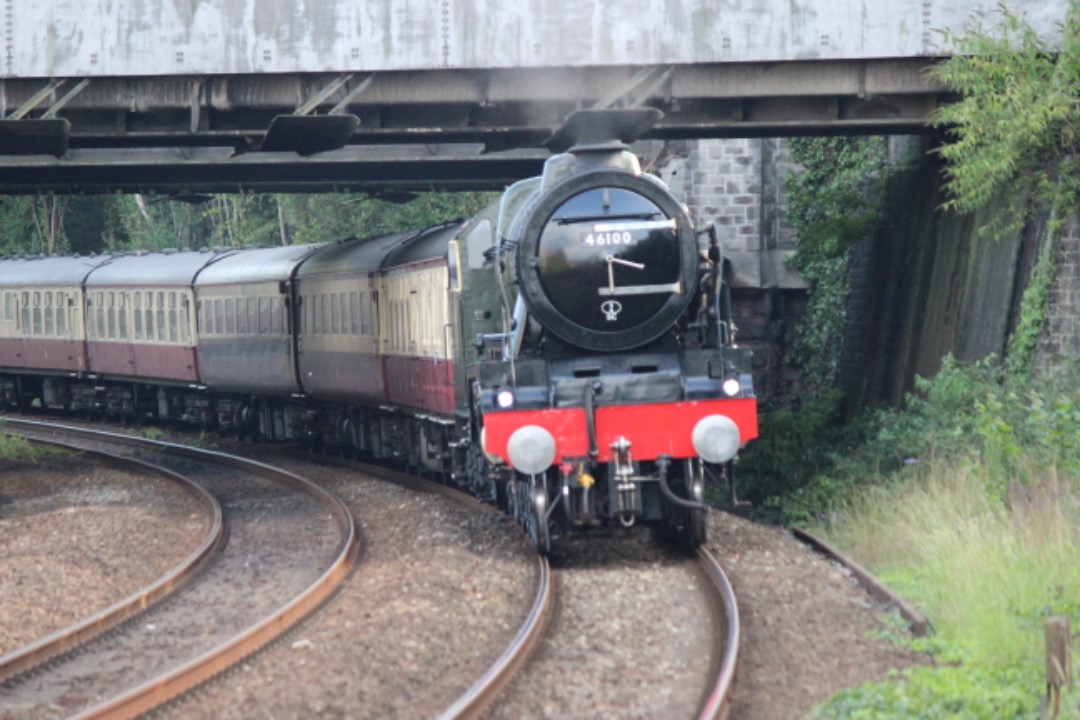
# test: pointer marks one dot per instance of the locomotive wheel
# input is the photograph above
(688, 526)
(541, 533)
(696, 527)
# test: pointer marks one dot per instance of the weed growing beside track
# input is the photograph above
(968, 503)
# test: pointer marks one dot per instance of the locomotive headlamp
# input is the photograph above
(731, 387)
(531, 449)
(716, 438)
(505, 399)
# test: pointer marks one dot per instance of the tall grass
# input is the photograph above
(986, 572)
(968, 503)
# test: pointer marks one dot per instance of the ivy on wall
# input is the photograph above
(1014, 137)
(833, 202)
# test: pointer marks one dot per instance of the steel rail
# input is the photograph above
(718, 703)
(474, 701)
(158, 691)
(40, 651)
(484, 691)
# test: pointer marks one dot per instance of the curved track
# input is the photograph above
(641, 630)
(486, 689)
(22, 659)
(718, 702)
(212, 624)
(489, 690)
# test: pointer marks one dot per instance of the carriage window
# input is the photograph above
(9, 306)
(61, 314)
(453, 260)
(219, 316)
(230, 316)
(25, 313)
(159, 306)
(374, 314)
(99, 315)
(174, 332)
(149, 308)
(253, 315)
(335, 315)
(48, 313)
(264, 315)
(354, 313)
(278, 316)
(110, 316)
(184, 319)
(122, 316)
(37, 314)
(241, 317)
(138, 315)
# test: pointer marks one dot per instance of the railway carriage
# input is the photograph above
(141, 325)
(41, 327)
(140, 319)
(339, 329)
(247, 344)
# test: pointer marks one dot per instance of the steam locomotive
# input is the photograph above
(566, 353)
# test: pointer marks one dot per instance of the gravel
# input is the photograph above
(439, 592)
(808, 628)
(76, 537)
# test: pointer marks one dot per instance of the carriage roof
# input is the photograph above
(155, 269)
(253, 265)
(52, 271)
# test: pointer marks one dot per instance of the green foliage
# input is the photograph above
(1014, 130)
(978, 526)
(14, 447)
(945, 693)
(833, 203)
(1013, 426)
(115, 223)
(1033, 304)
(795, 446)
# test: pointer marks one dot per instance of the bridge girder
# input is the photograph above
(442, 129)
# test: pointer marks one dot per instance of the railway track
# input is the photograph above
(289, 545)
(640, 630)
(492, 689)
(36, 653)
(488, 696)
(484, 692)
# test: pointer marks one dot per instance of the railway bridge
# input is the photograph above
(303, 95)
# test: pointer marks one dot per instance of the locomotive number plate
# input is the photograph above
(622, 233)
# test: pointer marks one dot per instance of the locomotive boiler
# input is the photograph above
(567, 353)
